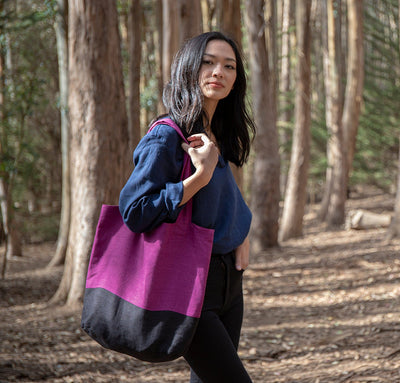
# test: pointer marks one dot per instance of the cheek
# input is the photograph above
(234, 79)
(202, 78)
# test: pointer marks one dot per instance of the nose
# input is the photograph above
(218, 72)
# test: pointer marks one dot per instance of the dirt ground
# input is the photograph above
(321, 309)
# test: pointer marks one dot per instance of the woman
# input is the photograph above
(206, 99)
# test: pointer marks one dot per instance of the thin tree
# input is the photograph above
(158, 54)
(230, 24)
(355, 78)
(61, 28)
(135, 56)
(230, 19)
(332, 206)
(170, 36)
(190, 21)
(3, 200)
(296, 189)
(265, 184)
(394, 228)
(9, 151)
(99, 131)
(285, 115)
(182, 19)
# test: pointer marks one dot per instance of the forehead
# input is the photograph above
(220, 48)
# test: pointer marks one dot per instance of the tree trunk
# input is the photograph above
(394, 228)
(3, 136)
(159, 55)
(135, 57)
(61, 28)
(13, 238)
(296, 191)
(355, 78)
(265, 185)
(190, 21)
(230, 21)
(284, 89)
(170, 42)
(333, 202)
(99, 131)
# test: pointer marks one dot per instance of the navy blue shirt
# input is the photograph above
(154, 191)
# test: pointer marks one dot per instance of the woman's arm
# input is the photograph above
(154, 190)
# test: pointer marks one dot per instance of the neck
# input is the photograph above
(209, 108)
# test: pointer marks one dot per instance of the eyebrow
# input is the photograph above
(226, 58)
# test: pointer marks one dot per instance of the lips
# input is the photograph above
(216, 84)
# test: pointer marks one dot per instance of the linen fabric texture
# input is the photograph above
(144, 291)
(153, 192)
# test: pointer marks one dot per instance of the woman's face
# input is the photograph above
(218, 71)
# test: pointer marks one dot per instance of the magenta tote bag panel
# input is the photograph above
(144, 291)
(173, 251)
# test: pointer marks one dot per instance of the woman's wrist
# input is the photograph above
(193, 184)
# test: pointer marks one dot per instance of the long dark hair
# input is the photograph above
(183, 99)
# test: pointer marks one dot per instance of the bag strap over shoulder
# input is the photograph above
(169, 122)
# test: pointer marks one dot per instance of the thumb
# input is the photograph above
(185, 147)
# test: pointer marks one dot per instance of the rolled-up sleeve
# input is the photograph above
(154, 190)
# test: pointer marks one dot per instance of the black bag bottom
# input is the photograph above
(152, 336)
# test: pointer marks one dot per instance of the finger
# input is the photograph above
(200, 136)
(205, 139)
(245, 263)
(185, 147)
(238, 262)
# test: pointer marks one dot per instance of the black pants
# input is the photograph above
(212, 355)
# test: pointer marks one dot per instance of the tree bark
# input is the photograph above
(230, 21)
(99, 131)
(190, 20)
(296, 191)
(13, 237)
(284, 89)
(61, 28)
(333, 202)
(355, 78)
(159, 55)
(394, 228)
(265, 185)
(170, 42)
(135, 57)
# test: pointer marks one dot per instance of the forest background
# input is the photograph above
(80, 81)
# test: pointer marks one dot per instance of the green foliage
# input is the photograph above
(376, 156)
(29, 132)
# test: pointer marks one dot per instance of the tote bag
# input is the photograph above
(144, 291)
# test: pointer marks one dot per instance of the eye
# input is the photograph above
(230, 67)
(207, 62)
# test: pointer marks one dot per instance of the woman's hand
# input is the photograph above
(204, 156)
(242, 255)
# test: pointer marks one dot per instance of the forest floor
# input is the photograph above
(324, 308)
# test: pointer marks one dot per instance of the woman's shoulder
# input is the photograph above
(163, 133)
(162, 141)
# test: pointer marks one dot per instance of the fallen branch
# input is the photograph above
(364, 219)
